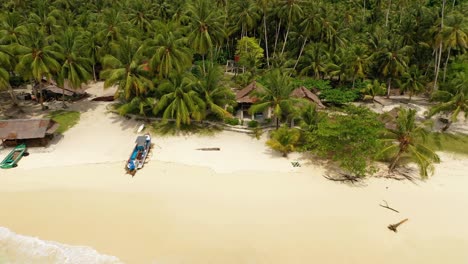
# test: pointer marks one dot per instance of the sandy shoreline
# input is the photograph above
(243, 204)
(172, 213)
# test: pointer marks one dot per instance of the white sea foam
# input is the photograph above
(19, 249)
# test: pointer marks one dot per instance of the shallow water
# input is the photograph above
(19, 249)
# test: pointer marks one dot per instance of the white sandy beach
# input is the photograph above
(243, 204)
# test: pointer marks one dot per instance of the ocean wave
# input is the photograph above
(19, 249)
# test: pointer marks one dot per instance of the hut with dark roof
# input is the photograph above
(246, 97)
(36, 131)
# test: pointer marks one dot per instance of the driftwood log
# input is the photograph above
(395, 226)
(209, 149)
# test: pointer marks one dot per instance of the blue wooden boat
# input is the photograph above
(139, 154)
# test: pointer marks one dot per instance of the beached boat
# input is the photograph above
(13, 157)
(139, 154)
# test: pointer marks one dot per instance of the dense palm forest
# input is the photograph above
(165, 56)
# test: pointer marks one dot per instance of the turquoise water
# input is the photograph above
(19, 249)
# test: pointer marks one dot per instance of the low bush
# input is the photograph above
(252, 124)
(232, 121)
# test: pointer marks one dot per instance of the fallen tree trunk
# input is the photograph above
(209, 149)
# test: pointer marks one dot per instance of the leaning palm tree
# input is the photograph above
(276, 95)
(125, 69)
(215, 95)
(179, 100)
(452, 102)
(39, 58)
(406, 143)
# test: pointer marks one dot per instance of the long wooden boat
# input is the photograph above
(139, 154)
(11, 160)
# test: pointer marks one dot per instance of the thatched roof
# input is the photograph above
(305, 93)
(27, 128)
(245, 96)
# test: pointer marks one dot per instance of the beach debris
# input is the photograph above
(343, 178)
(209, 149)
(388, 207)
(295, 164)
(395, 226)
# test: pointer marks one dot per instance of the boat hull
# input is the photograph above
(12, 159)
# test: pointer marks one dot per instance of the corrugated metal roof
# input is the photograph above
(26, 128)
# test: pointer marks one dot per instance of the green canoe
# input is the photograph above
(13, 157)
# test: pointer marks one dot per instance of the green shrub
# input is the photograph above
(339, 96)
(252, 123)
(232, 121)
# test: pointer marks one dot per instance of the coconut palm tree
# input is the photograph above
(125, 69)
(264, 5)
(6, 56)
(406, 143)
(170, 51)
(454, 35)
(413, 81)
(315, 60)
(454, 100)
(215, 95)
(206, 27)
(393, 62)
(291, 11)
(284, 140)
(276, 95)
(39, 58)
(76, 68)
(245, 14)
(179, 100)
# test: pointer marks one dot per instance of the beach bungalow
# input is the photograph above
(34, 131)
(246, 98)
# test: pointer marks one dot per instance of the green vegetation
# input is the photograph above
(66, 119)
(166, 57)
(284, 140)
(407, 143)
(351, 138)
(455, 143)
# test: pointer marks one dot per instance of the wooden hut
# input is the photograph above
(34, 131)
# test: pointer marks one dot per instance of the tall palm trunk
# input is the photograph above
(439, 57)
(266, 39)
(41, 97)
(446, 64)
(388, 13)
(94, 73)
(300, 53)
(277, 35)
(389, 86)
(395, 160)
(286, 38)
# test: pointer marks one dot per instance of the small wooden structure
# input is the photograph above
(303, 92)
(16, 131)
(246, 97)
